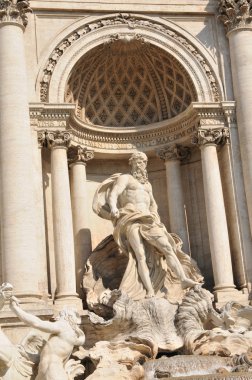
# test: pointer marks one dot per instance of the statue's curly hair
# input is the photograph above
(137, 155)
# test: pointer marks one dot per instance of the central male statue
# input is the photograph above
(129, 203)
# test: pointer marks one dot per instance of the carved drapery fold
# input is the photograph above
(14, 11)
(235, 13)
(216, 136)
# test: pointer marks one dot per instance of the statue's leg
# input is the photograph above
(136, 243)
(163, 245)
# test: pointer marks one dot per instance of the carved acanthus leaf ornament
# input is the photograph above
(235, 13)
(216, 136)
(14, 11)
(174, 152)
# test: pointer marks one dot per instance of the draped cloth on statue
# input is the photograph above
(150, 228)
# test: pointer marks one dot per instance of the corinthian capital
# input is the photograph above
(174, 152)
(235, 13)
(56, 139)
(215, 136)
(78, 154)
(14, 11)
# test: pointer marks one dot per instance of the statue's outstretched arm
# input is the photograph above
(119, 186)
(32, 320)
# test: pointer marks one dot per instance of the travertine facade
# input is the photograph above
(83, 85)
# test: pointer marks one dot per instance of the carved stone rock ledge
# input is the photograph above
(15, 11)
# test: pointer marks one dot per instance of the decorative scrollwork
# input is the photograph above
(79, 154)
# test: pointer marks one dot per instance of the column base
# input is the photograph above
(68, 300)
(221, 297)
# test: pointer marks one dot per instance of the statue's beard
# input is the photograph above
(140, 174)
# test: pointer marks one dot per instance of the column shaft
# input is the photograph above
(63, 226)
(21, 263)
(240, 42)
(82, 237)
(216, 219)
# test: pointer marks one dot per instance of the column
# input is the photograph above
(59, 142)
(208, 139)
(172, 155)
(237, 18)
(22, 264)
(78, 158)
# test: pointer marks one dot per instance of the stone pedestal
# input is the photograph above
(22, 264)
(78, 158)
(172, 155)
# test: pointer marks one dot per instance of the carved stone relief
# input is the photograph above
(131, 22)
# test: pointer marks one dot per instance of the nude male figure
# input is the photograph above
(133, 191)
(65, 334)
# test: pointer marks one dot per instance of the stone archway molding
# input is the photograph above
(90, 32)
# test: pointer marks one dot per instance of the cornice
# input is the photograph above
(153, 137)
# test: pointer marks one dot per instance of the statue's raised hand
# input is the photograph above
(115, 213)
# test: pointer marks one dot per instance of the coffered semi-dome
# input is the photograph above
(128, 83)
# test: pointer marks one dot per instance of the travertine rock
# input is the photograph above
(208, 332)
(116, 360)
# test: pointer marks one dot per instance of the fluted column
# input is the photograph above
(237, 18)
(208, 139)
(59, 142)
(78, 158)
(172, 155)
(21, 262)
